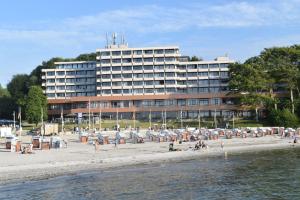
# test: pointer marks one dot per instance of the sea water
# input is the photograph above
(259, 175)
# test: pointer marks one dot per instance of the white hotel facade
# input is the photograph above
(136, 81)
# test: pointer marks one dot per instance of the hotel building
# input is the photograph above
(136, 81)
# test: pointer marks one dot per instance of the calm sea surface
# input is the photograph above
(263, 175)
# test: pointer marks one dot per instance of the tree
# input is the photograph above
(247, 80)
(18, 88)
(36, 105)
(195, 58)
(3, 92)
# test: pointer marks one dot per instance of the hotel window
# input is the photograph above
(117, 91)
(203, 66)
(117, 83)
(224, 65)
(193, 102)
(192, 66)
(71, 87)
(60, 73)
(148, 82)
(147, 90)
(60, 80)
(137, 60)
(148, 75)
(126, 60)
(203, 82)
(170, 102)
(170, 90)
(81, 87)
(116, 53)
(105, 69)
(136, 68)
(50, 80)
(159, 102)
(116, 76)
(50, 95)
(127, 68)
(181, 67)
(159, 75)
(170, 74)
(60, 94)
(170, 82)
(106, 91)
(214, 74)
(105, 53)
(181, 82)
(138, 91)
(116, 68)
(80, 72)
(148, 67)
(90, 72)
(192, 90)
(50, 88)
(70, 73)
(105, 61)
(203, 101)
(137, 52)
(140, 75)
(127, 75)
(182, 75)
(181, 90)
(159, 59)
(203, 89)
(50, 73)
(126, 53)
(160, 90)
(159, 67)
(215, 101)
(203, 73)
(125, 91)
(224, 74)
(169, 59)
(148, 51)
(181, 102)
(159, 51)
(214, 89)
(192, 74)
(192, 82)
(169, 51)
(170, 66)
(105, 76)
(60, 87)
(148, 59)
(116, 60)
(70, 80)
(127, 83)
(137, 83)
(214, 81)
(211, 66)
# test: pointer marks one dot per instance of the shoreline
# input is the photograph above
(110, 158)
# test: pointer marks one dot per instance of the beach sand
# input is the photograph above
(79, 157)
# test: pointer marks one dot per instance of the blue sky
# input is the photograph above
(32, 31)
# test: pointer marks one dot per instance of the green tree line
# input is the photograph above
(270, 82)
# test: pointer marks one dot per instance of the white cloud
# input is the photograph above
(159, 19)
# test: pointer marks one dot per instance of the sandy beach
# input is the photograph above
(78, 157)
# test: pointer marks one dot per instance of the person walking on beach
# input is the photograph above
(222, 145)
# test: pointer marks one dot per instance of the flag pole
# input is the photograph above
(89, 114)
(20, 118)
(14, 115)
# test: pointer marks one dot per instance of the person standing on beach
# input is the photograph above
(222, 145)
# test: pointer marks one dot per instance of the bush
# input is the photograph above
(283, 118)
(289, 119)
